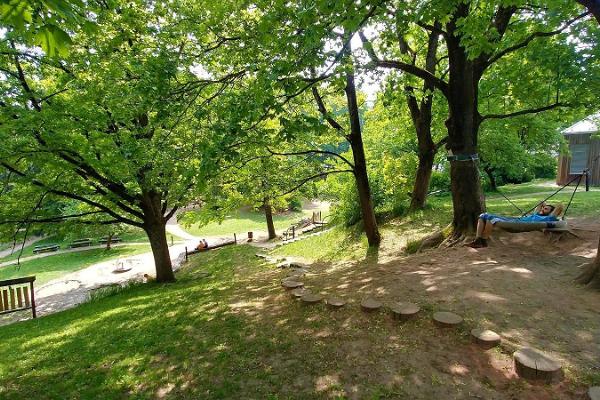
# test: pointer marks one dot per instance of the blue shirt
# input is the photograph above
(538, 218)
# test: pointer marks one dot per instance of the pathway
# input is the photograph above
(17, 248)
(76, 250)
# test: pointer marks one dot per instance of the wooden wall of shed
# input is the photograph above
(564, 161)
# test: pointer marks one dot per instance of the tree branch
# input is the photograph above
(310, 178)
(523, 112)
(438, 83)
(531, 37)
(300, 153)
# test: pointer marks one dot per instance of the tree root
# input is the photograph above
(590, 275)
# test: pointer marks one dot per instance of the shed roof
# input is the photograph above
(589, 124)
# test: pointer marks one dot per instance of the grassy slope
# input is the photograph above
(244, 221)
(48, 268)
(344, 244)
(131, 344)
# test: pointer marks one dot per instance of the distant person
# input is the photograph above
(202, 245)
(543, 213)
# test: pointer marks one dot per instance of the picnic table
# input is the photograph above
(80, 243)
(46, 248)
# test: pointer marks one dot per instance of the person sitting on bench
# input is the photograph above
(485, 224)
(203, 245)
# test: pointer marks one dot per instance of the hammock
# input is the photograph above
(516, 226)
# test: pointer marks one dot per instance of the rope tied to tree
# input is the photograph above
(462, 157)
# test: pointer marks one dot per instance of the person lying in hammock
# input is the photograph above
(543, 213)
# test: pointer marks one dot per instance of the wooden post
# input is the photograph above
(32, 300)
(587, 180)
(19, 297)
(186, 254)
(234, 238)
(293, 232)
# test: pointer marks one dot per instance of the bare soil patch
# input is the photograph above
(519, 287)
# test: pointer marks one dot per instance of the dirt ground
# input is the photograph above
(519, 287)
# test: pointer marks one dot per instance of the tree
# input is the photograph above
(591, 272)
(421, 52)
(116, 127)
(301, 61)
(475, 38)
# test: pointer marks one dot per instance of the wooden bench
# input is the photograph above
(104, 240)
(45, 248)
(80, 243)
(17, 295)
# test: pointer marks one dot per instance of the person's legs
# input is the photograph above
(487, 231)
(484, 228)
(481, 225)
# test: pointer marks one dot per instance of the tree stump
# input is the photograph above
(335, 302)
(299, 292)
(370, 304)
(535, 365)
(594, 393)
(311, 298)
(405, 311)
(291, 284)
(447, 319)
(296, 275)
(485, 338)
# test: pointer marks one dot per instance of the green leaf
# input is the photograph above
(16, 13)
(53, 40)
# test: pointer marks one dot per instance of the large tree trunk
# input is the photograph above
(591, 272)
(463, 125)
(360, 163)
(422, 117)
(593, 6)
(269, 218)
(155, 228)
(422, 178)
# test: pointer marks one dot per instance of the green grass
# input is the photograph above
(407, 232)
(136, 236)
(245, 221)
(48, 268)
(136, 342)
(336, 244)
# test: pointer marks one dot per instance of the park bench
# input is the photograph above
(80, 243)
(115, 239)
(17, 295)
(45, 248)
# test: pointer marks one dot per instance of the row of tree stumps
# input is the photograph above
(530, 363)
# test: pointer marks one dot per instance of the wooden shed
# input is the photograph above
(584, 149)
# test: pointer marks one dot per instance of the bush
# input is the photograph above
(440, 180)
(294, 204)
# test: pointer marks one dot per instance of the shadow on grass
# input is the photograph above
(237, 334)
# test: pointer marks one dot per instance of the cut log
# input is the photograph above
(294, 277)
(594, 393)
(311, 298)
(298, 264)
(447, 319)
(535, 365)
(290, 284)
(299, 292)
(405, 311)
(370, 304)
(335, 302)
(485, 337)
